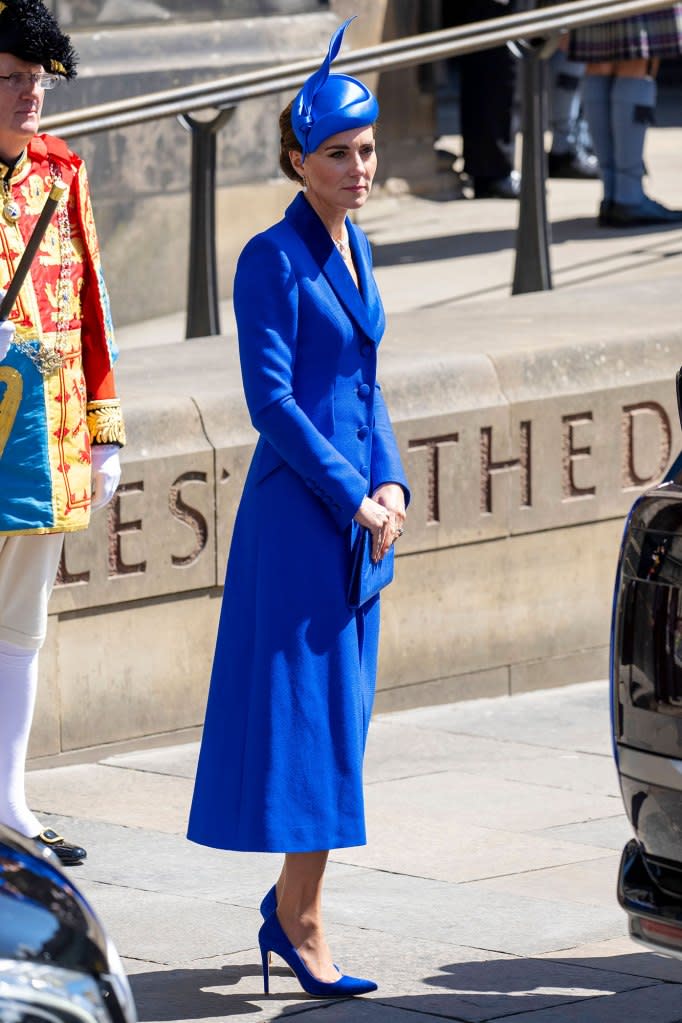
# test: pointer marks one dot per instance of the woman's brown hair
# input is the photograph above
(287, 142)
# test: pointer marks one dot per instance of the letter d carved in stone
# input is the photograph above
(647, 439)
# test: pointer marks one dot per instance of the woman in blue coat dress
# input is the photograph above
(293, 679)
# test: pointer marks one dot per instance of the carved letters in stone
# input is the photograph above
(431, 445)
(572, 452)
(192, 517)
(118, 528)
(645, 413)
(489, 468)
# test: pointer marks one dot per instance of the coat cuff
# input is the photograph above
(105, 422)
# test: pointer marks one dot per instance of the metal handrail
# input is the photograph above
(390, 56)
(532, 271)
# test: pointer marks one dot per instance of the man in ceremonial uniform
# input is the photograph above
(60, 418)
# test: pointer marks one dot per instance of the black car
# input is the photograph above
(646, 701)
(56, 963)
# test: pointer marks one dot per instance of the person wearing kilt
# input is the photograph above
(619, 97)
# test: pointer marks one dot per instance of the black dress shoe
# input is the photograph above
(603, 218)
(577, 163)
(647, 213)
(508, 187)
(68, 854)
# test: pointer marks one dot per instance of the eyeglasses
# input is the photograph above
(20, 80)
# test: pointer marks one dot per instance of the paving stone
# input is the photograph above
(609, 833)
(179, 761)
(169, 928)
(589, 883)
(130, 798)
(462, 828)
(661, 1003)
(529, 718)
(459, 854)
(622, 955)
(463, 915)
(511, 805)
(432, 750)
(496, 988)
(584, 772)
(170, 864)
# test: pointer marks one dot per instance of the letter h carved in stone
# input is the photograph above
(489, 468)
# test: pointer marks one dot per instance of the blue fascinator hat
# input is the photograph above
(330, 103)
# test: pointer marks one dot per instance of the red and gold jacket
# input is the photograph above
(57, 389)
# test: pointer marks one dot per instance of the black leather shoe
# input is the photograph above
(68, 854)
(647, 213)
(498, 188)
(577, 163)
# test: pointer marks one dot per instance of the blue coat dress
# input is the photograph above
(280, 767)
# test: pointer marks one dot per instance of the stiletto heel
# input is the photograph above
(272, 938)
(265, 956)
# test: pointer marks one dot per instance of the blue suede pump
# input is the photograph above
(272, 938)
(269, 904)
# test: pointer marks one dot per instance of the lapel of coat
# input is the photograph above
(363, 306)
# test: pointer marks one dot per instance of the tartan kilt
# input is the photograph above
(655, 34)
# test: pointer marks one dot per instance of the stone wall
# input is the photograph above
(527, 428)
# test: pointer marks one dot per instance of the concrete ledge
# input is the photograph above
(527, 426)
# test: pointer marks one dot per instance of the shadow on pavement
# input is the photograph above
(479, 243)
(509, 987)
(170, 995)
(472, 991)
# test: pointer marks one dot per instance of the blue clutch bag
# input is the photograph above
(366, 576)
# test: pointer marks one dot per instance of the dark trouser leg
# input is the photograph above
(486, 95)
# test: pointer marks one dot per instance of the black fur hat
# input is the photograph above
(29, 31)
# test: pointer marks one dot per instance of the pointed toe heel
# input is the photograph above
(272, 938)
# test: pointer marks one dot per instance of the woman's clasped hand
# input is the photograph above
(384, 515)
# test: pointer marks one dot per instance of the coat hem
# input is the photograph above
(293, 847)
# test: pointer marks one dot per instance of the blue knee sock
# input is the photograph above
(633, 101)
(564, 101)
(596, 92)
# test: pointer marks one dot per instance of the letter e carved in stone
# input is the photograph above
(66, 578)
(570, 454)
(117, 528)
(636, 422)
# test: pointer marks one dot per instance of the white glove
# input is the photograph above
(6, 335)
(106, 473)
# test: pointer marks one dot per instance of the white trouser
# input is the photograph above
(28, 566)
